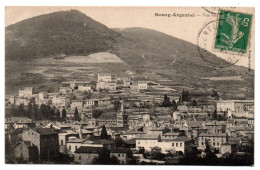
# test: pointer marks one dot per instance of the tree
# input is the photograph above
(34, 112)
(193, 103)
(43, 111)
(104, 158)
(64, 113)
(174, 105)
(49, 115)
(166, 101)
(14, 111)
(117, 105)
(52, 113)
(220, 118)
(21, 110)
(191, 156)
(113, 160)
(171, 152)
(76, 114)
(223, 128)
(211, 158)
(141, 150)
(87, 94)
(214, 94)
(57, 113)
(96, 113)
(215, 115)
(156, 153)
(119, 142)
(29, 110)
(184, 96)
(104, 133)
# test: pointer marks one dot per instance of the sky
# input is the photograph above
(186, 28)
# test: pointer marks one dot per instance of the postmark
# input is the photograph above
(233, 31)
(215, 58)
(215, 10)
(224, 41)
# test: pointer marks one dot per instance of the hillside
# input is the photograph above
(69, 32)
(150, 54)
(155, 52)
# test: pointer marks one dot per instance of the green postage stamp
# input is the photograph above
(233, 31)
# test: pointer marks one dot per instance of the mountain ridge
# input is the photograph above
(144, 50)
(70, 32)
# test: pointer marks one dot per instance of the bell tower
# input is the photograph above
(122, 117)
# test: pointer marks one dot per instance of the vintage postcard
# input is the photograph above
(129, 85)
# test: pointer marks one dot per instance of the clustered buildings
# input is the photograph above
(140, 122)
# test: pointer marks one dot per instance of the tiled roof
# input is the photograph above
(104, 142)
(87, 149)
(194, 123)
(213, 135)
(149, 137)
(171, 134)
(108, 116)
(76, 141)
(180, 138)
(230, 120)
(134, 132)
(28, 144)
(120, 150)
(131, 141)
(45, 131)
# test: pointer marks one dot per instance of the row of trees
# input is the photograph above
(218, 117)
(168, 103)
(44, 112)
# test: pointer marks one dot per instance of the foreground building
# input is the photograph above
(26, 151)
(177, 144)
(122, 155)
(86, 155)
(214, 139)
(46, 141)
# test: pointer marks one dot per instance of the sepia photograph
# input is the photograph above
(129, 85)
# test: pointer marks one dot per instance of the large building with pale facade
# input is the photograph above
(26, 92)
(104, 77)
(237, 108)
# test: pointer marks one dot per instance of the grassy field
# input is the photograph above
(45, 74)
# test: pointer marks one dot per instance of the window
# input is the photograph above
(76, 147)
(61, 141)
(119, 155)
(69, 147)
(79, 157)
(180, 144)
(213, 143)
(173, 144)
(202, 143)
(176, 144)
